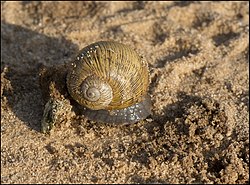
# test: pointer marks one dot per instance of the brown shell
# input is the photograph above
(110, 81)
(118, 75)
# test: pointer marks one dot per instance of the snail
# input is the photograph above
(109, 81)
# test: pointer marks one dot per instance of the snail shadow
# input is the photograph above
(158, 131)
(178, 109)
(23, 51)
(173, 111)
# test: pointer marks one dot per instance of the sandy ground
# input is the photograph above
(199, 69)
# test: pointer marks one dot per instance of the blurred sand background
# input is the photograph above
(199, 68)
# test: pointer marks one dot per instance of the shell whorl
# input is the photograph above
(96, 91)
(108, 75)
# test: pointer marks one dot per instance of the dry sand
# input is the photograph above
(199, 61)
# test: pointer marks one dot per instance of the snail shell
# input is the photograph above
(111, 81)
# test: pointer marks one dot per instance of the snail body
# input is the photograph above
(110, 80)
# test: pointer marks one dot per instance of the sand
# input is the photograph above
(199, 69)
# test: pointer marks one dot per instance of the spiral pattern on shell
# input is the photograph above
(108, 75)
